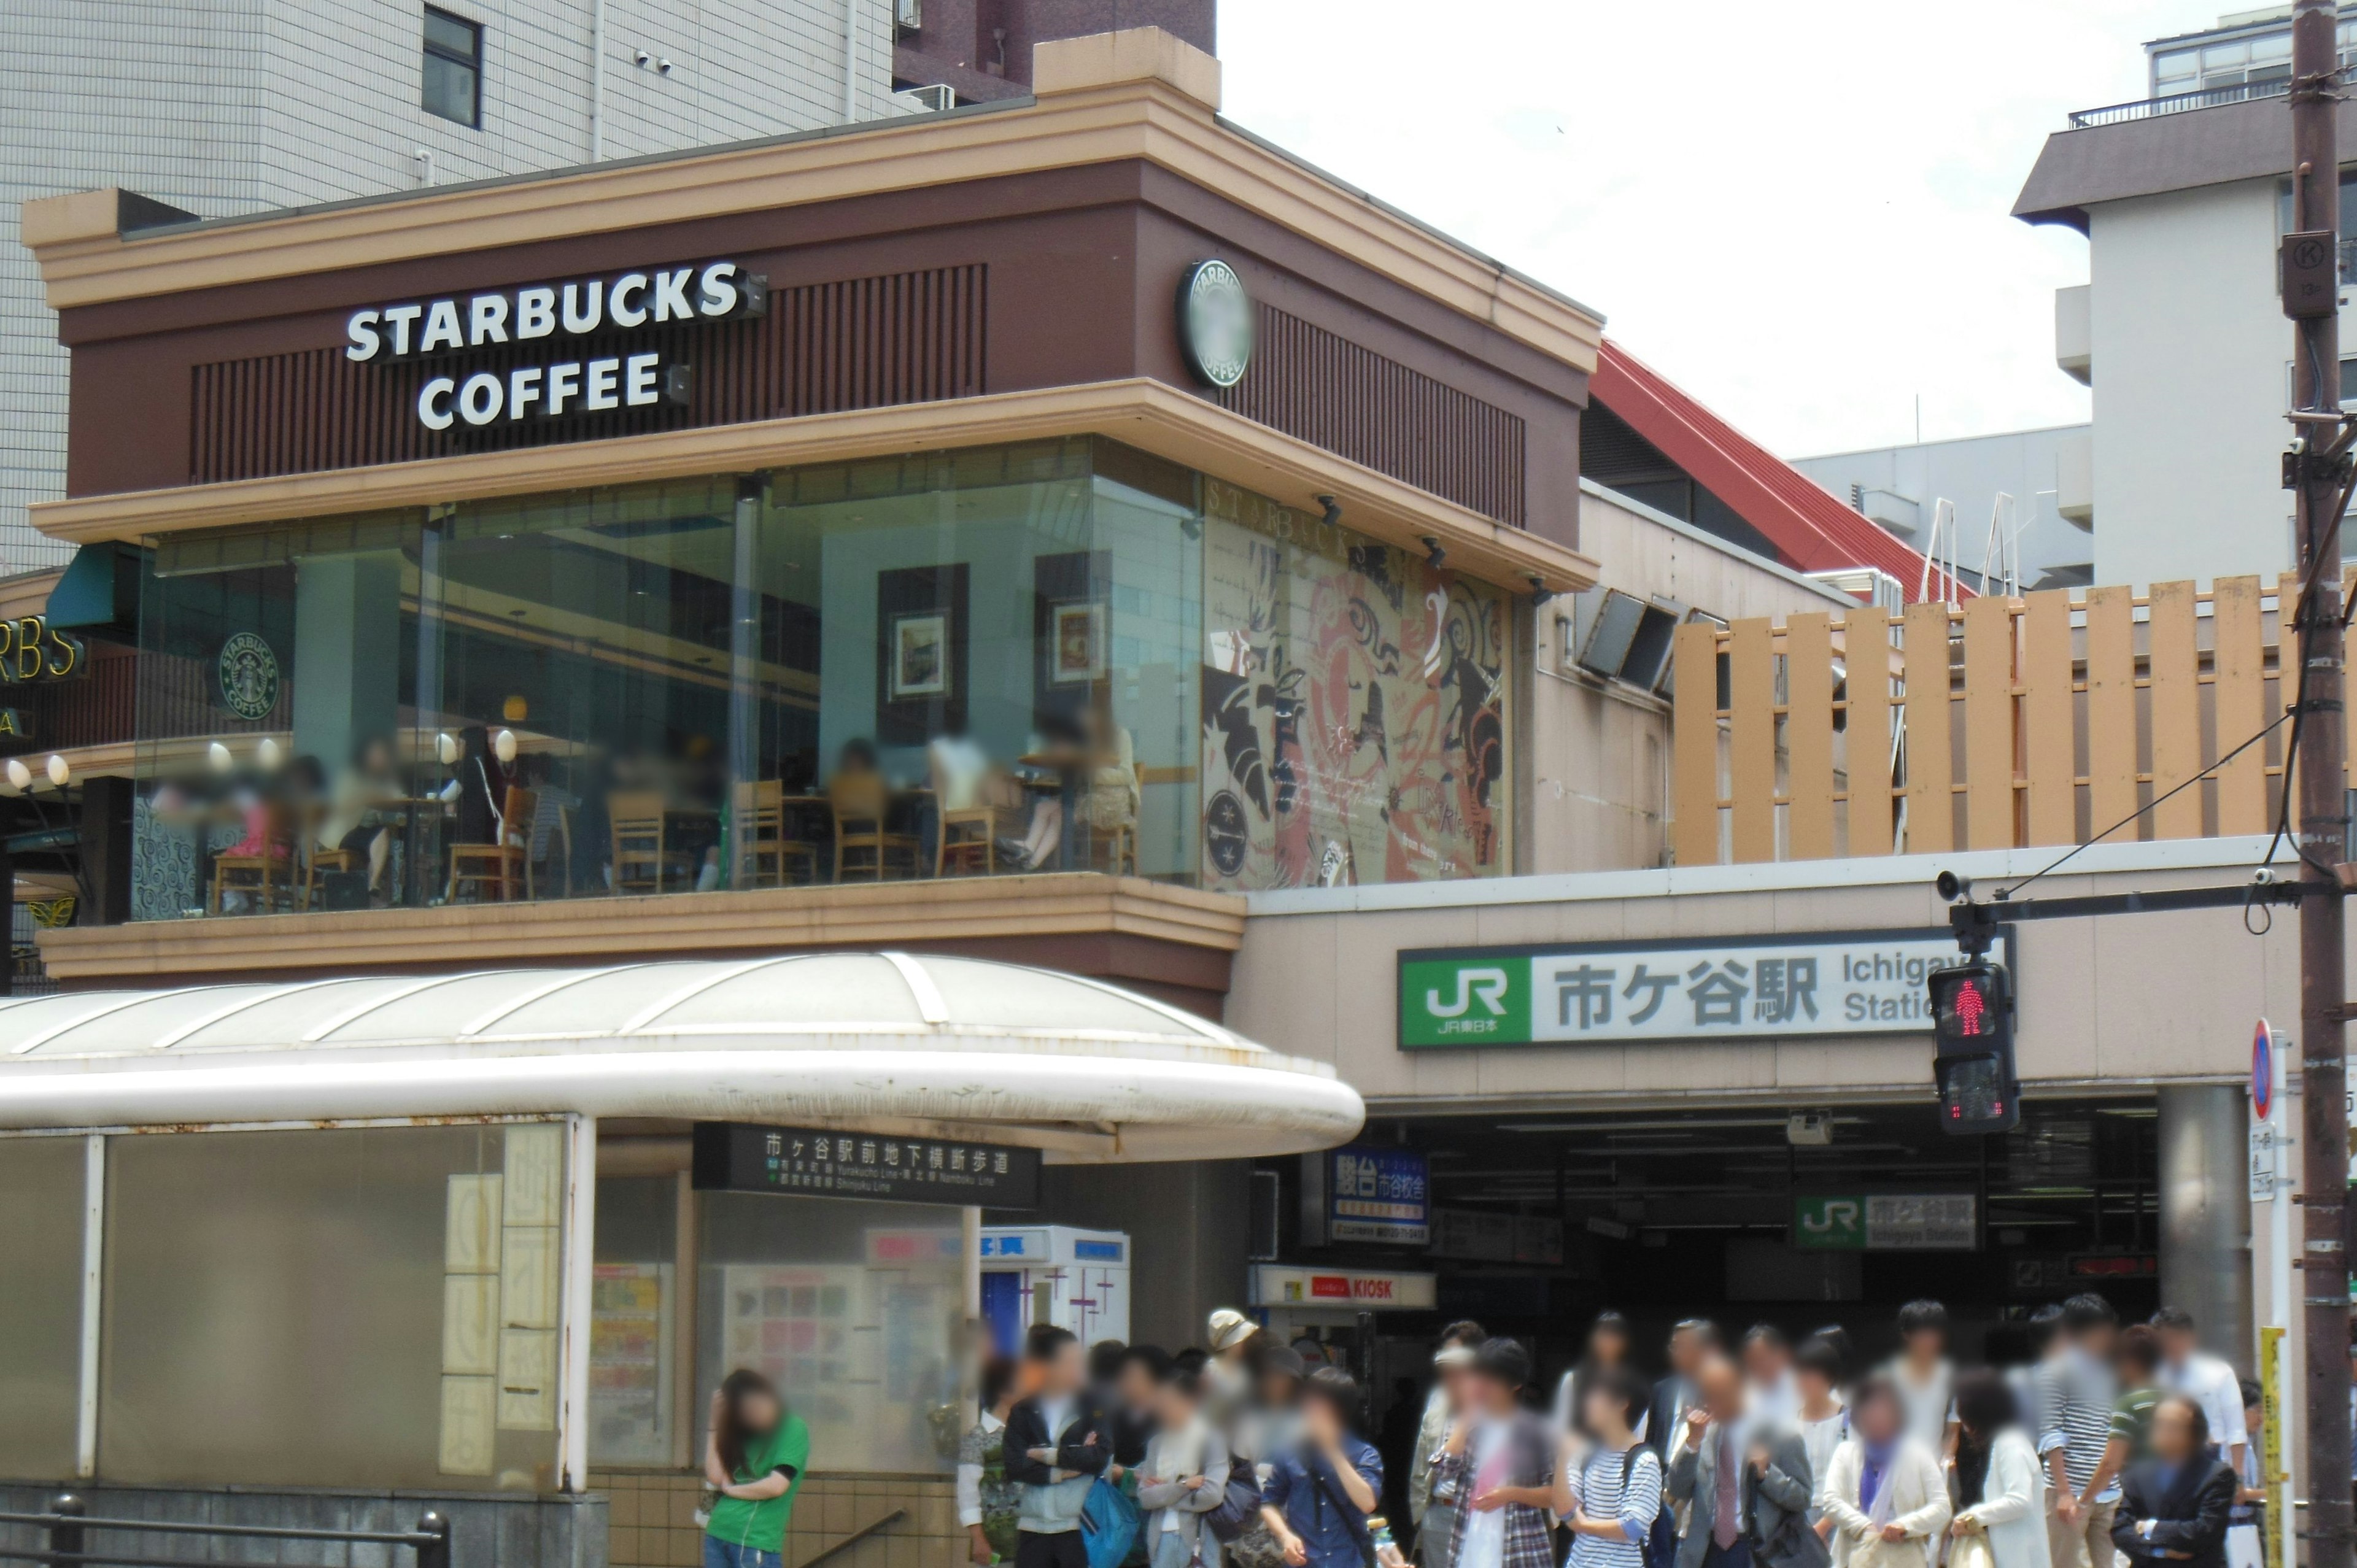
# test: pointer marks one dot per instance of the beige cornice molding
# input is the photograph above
(1148, 118)
(1152, 415)
(955, 909)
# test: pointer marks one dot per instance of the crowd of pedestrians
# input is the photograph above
(1746, 1452)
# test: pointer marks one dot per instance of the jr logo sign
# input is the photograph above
(1450, 1001)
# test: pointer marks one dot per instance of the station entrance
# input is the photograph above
(1803, 1218)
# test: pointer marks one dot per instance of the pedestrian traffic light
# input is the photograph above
(1972, 1024)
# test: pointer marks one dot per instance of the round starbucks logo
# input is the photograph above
(249, 677)
(1215, 323)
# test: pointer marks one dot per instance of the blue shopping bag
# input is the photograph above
(1109, 1524)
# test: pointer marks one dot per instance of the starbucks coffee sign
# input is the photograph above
(586, 383)
(1215, 323)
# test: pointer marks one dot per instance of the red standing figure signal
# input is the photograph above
(1969, 1009)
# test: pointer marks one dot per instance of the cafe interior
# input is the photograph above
(960, 663)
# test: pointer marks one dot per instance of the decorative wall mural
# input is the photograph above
(1354, 706)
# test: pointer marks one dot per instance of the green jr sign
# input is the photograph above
(1838, 1223)
(1478, 1000)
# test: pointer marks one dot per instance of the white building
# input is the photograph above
(2178, 329)
(2026, 487)
(221, 111)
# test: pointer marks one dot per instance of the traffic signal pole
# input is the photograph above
(2321, 825)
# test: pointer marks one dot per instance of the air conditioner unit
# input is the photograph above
(1620, 637)
(930, 100)
(909, 15)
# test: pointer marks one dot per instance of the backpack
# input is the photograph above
(1239, 1506)
(1660, 1547)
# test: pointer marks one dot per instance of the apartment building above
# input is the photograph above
(2178, 330)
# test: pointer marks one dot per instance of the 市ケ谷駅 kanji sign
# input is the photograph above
(1704, 988)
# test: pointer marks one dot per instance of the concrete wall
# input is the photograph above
(1600, 750)
(2189, 352)
(225, 109)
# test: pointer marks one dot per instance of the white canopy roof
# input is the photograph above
(1092, 1070)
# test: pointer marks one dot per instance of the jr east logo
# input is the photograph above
(1471, 1002)
(1868, 983)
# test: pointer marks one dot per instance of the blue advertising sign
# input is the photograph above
(1379, 1195)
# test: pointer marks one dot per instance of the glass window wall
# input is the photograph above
(946, 664)
(40, 1305)
(361, 1307)
(853, 1308)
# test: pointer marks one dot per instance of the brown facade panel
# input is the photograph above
(915, 336)
(1359, 404)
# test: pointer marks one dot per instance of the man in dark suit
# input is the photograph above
(1747, 1483)
(2174, 1507)
(1675, 1394)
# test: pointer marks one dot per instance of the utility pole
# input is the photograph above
(2318, 468)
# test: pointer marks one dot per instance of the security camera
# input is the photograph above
(1952, 886)
(1809, 1128)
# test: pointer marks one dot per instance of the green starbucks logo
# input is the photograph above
(249, 677)
(1215, 323)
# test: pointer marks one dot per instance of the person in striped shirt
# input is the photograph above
(2074, 1392)
(1611, 1506)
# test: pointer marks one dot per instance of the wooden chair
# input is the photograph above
(860, 802)
(969, 843)
(317, 860)
(766, 857)
(504, 864)
(1114, 848)
(268, 878)
(643, 859)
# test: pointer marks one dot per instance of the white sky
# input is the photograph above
(1797, 212)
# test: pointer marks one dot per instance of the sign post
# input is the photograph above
(2271, 1184)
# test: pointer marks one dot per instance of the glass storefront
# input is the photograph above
(1066, 655)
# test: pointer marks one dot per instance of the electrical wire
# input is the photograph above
(2141, 811)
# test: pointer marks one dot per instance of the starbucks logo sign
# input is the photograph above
(249, 677)
(1215, 323)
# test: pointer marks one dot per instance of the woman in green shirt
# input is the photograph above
(755, 1452)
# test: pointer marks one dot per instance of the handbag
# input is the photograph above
(1971, 1551)
(1238, 1512)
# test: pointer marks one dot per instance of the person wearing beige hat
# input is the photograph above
(1436, 1523)
(1228, 1376)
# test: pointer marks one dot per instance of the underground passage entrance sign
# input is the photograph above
(1717, 988)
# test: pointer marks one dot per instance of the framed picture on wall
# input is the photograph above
(1076, 649)
(920, 656)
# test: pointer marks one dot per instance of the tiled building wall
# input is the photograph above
(225, 107)
(653, 1523)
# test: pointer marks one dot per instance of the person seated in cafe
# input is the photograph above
(358, 806)
(479, 788)
(963, 776)
(1104, 753)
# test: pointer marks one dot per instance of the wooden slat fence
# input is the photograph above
(2038, 720)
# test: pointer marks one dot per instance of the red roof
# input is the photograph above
(1812, 530)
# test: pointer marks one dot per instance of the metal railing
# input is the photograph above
(2178, 104)
(67, 1527)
